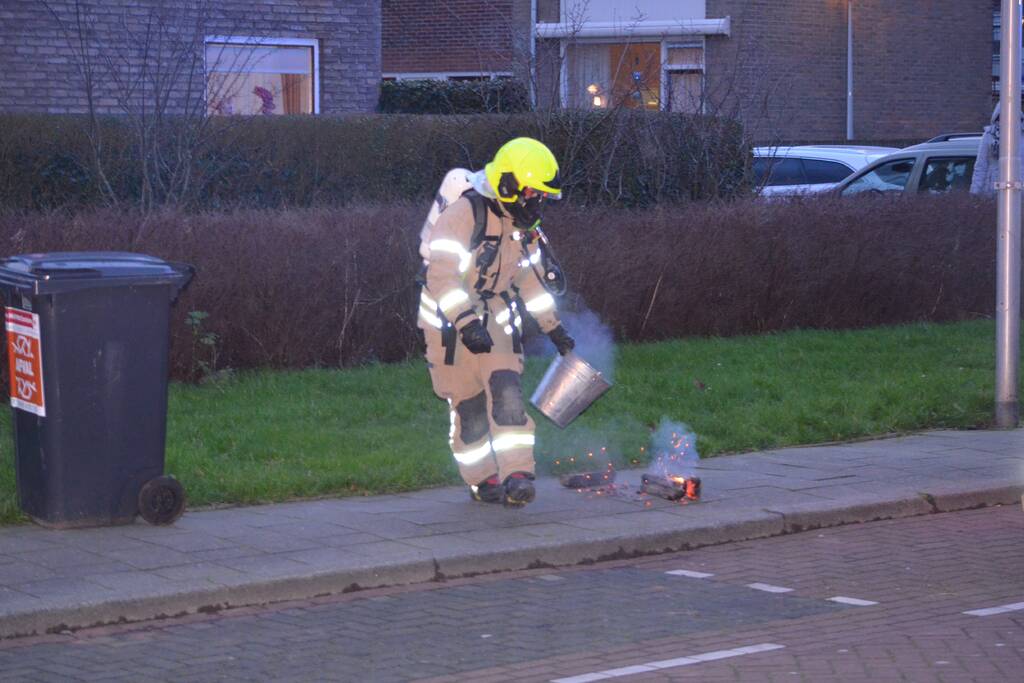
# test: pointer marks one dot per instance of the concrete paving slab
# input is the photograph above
(19, 572)
(63, 558)
(348, 540)
(141, 582)
(61, 587)
(154, 558)
(296, 550)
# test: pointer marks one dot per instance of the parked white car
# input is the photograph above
(809, 168)
(940, 165)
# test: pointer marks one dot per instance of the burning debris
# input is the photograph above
(671, 475)
(592, 478)
(588, 480)
(671, 488)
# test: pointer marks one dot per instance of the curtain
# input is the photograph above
(295, 94)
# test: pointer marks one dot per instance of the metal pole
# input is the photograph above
(1008, 236)
(849, 69)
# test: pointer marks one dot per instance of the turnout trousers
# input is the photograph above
(490, 431)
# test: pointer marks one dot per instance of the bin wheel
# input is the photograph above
(162, 500)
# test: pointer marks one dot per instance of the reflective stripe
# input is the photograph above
(427, 301)
(507, 442)
(430, 318)
(505, 314)
(541, 303)
(451, 431)
(453, 247)
(533, 260)
(452, 299)
(473, 456)
(508, 330)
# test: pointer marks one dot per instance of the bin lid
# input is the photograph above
(64, 271)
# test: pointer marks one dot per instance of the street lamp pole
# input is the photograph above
(1007, 413)
(849, 69)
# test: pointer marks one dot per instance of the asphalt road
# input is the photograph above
(933, 598)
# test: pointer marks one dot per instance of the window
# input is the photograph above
(773, 171)
(819, 171)
(615, 74)
(635, 75)
(266, 76)
(684, 76)
(779, 171)
(891, 176)
(945, 174)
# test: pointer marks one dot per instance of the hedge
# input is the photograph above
(334, 287)
(627, 158)
(504, 95)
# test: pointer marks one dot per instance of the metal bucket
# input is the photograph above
(568, 388)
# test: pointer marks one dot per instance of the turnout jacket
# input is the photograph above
(493, 280)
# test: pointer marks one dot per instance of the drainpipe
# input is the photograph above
(849, 69)
(532, 74)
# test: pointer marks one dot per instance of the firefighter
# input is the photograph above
(483, 272)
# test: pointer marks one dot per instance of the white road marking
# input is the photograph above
(852, 601)
(768, 588)
(669, 663)
(989, 611)
(691, 574)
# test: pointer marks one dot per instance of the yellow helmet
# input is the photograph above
(523, 173)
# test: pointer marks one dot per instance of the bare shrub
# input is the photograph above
(331, 287)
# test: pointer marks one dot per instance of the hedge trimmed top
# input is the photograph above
(629, 158)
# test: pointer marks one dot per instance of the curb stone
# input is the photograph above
(545, 553)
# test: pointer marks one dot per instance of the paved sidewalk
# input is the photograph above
(50, 580)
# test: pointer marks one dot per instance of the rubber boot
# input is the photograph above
(519, 489)
(487, 491)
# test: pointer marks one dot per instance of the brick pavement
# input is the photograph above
(255, 555)
(542, 625)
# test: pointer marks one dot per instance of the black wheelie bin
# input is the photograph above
(87, 345)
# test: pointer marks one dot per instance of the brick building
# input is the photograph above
(918, 68)
(455, 39)
(228, 56)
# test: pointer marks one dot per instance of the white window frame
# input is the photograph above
(254, 41)
(667, 68)
(666, 43)
(445, 75)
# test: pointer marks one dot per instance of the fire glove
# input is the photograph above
(562, 341)
(476, 338)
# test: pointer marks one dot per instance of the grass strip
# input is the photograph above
(268, 436)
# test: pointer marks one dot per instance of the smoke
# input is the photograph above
(595, 342)
(673, 450)
(587, 445)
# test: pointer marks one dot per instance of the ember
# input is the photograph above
(671, 488)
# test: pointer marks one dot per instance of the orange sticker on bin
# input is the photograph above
(24, 353)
